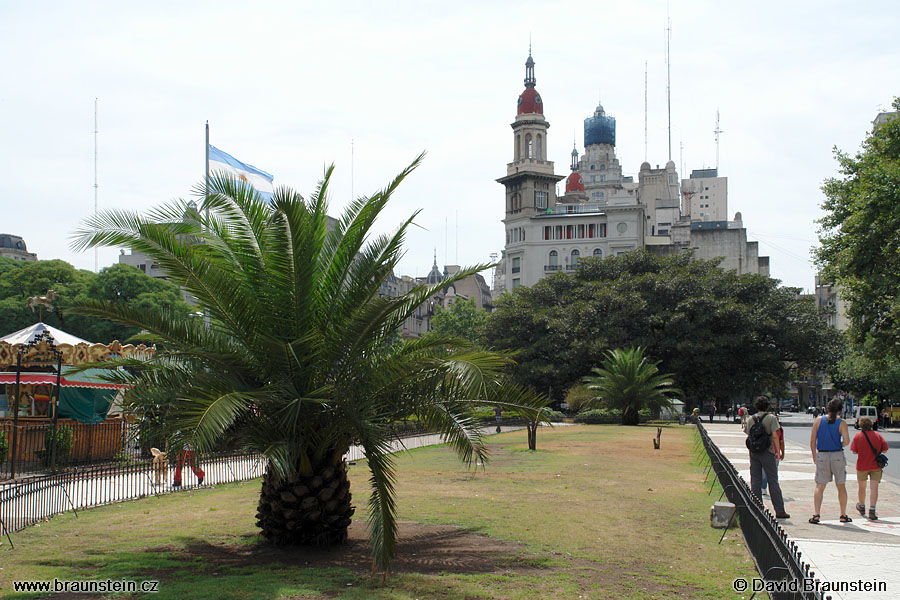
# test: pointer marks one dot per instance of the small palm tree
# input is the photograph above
(296, 355)
(628, 381)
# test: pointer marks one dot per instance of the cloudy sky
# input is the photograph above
(292, 86)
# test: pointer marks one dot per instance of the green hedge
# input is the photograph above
(602, 416)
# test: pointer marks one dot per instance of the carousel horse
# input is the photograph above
(47, 300)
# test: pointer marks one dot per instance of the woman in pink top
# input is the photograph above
(866, 467)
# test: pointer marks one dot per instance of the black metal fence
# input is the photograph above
(777, 558)
(28, 501)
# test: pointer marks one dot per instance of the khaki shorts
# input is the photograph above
(830, 464)
(874, 475)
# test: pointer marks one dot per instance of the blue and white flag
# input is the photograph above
(257, 178)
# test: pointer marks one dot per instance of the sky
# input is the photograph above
(292, 87)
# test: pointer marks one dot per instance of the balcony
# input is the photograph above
(552, 267)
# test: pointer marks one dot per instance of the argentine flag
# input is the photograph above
(257, 178)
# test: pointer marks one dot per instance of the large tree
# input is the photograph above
(720, 334)
(296, 356)
(860, 236)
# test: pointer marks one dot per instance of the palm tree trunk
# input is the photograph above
(630, 416)
(307, 511)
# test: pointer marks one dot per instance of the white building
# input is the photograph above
(705, 196)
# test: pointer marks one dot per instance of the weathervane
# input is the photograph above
(41, 301)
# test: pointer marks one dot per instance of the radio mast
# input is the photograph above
(96, 130)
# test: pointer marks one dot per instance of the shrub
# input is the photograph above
(556, 416)
(65, 441)
(599, 416)
(578, 397)
(4, 447)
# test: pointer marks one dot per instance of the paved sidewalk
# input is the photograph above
(838, 552)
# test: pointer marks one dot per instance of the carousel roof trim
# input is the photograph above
(37, 349)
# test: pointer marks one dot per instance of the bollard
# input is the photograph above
(720, 514)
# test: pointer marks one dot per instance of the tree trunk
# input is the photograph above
(307, 511)
(630, 416)
(532, 436)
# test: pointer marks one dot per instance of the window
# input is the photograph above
(592, 230)
(554, 260)
(547, 232)
(540, 148)
(574, 260)
(593, 178)
(518, 146)
(592, 167)
(603, 178)
(596, 196)
(143, 268)
(516, 265)
(598, 252)
(601, 230)
(602, 166)
(516, 283)
(557, 235)
(540, 199)
(569, 232)
(581, 232)
(529, 143)
(601, 195)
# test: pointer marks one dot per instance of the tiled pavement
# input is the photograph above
(838, 552)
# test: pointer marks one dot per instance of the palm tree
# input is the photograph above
(628, 381)
(296, 355)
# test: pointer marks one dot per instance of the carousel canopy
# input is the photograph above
(40, 344)
(29, 334)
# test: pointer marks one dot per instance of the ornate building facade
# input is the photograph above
(602, 212)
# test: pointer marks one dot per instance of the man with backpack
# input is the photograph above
(760, 427)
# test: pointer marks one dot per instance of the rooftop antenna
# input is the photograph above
(717, 131)
(669, 76)
(96, 131)
(645, 111)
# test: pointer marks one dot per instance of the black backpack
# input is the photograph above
(757, 438)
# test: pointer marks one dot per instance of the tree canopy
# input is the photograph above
(720, 334)
(462, 319)
(860, 236)
(119, 283)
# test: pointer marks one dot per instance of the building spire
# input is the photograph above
(529, 69)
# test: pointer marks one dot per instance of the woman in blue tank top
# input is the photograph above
(827, 442)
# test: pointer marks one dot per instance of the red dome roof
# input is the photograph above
(574, 183)
(530, 102)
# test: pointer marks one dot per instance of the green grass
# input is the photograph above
(594, 513)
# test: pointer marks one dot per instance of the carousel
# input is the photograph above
(47, 398)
